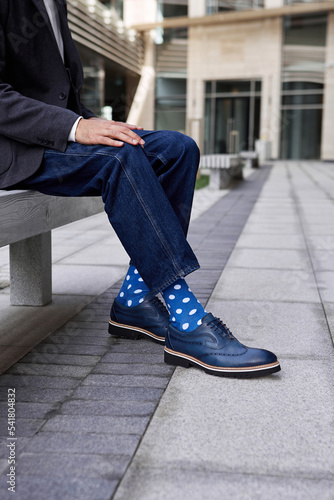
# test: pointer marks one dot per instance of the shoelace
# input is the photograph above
(157, 302)
(217, 325)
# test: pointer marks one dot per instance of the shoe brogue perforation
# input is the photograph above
(225, 354)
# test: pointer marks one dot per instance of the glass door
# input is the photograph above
(232, 116)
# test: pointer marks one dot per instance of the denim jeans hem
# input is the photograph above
(181, 274)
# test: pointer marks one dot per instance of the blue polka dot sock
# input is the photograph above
(185, 310)
(133, 290)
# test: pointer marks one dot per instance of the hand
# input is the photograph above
(107, 133)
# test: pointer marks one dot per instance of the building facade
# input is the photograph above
(229, 73)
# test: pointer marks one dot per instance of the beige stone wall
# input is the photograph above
(272, 4)
(327, 146)
(239, 51)
(196, 8)
(142, 109)
(143, 11)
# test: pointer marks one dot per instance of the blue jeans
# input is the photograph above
(147, 194)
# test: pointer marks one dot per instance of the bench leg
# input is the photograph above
(225, 175)
(214, 182)
(237, 173)
(30, 271)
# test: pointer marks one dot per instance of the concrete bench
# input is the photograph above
(223, 169)
(27, 218)
(251, 158)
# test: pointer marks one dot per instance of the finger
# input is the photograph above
(128, 136)
(107, 141)
(135, 142)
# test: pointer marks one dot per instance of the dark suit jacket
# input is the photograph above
(39, 95)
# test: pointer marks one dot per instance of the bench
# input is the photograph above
(27, 219)
(224, 168)
(251, 158)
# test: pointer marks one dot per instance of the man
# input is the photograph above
(51, 143)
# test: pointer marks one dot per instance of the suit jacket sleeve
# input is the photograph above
(28, 120)
(87, 113)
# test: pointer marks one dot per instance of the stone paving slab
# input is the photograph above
(126, 380)
(133, 369)
(268, 284)
(69, 466)
(322, 260)
(38, 487)
(70, 443)
(30, 410)
(178, 484)
(270, 259)
(294, 242)
(38, 382)
(104, 249)
(26, 427)
(90, 408)
(104, 424)
(269, 227)
(240, 431)
(329, 311)
(326, 285)
(118, 393)
(20, 445)
(27, 394)
(50, 370)
(51, 353)
(279, 326)
(97, 340)
(84, 280)
(320, 228)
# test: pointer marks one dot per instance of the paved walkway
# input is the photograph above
(100, 418)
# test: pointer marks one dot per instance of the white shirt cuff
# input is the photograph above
(71, 135)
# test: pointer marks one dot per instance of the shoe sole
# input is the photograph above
(179, 359)
(132, 332)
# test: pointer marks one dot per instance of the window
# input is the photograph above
(302, 85)
(116, 5)
(302, 104)
(290, 2)
(215, 6)
(305, 30)
(170, 104)
(173, 8)
(232, 115)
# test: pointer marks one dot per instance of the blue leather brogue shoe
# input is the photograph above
(149, 319)
(213, 348)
